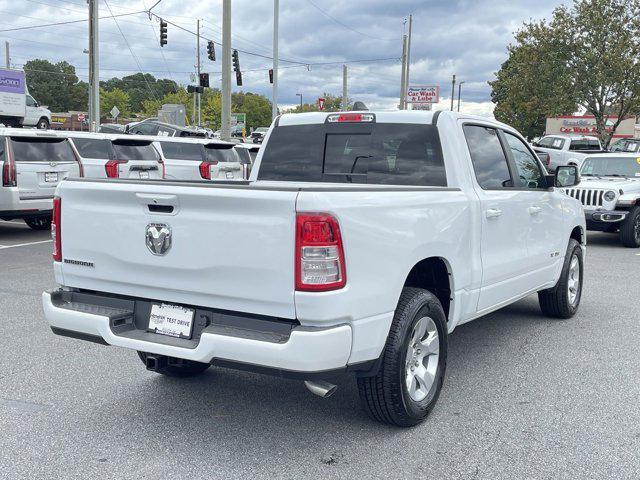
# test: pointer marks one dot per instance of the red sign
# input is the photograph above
(81, 117)
(321, 104)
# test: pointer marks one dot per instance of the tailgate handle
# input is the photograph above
(160, 208)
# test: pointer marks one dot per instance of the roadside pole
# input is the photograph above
(345, 100)
(199, 94)
(403, 87)
(225, 133)
(453, 90)
(276, 21)
(408, 63)
(94, 70)
(7, 54)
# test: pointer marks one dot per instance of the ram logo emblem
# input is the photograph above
(158, 238)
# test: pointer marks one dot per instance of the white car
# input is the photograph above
(559, 150)
(200, 159)
(117, 156)
(610, 193)
(361, 242)
(32, 163)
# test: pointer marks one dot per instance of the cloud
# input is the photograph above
(465, 37)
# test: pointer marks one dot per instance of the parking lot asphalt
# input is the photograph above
(524, 397)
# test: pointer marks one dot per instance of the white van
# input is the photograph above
(200, 159)
(117, 156)
(32, 164)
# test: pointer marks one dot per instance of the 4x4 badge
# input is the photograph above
(158, 238)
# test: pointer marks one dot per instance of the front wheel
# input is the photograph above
(39, 223)
(563, 299)
(43, 124)
(630, 229)
(408, 383)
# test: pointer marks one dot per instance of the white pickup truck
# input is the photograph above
(558, 150)
(359, 243)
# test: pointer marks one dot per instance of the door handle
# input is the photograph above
(493, 212)
(535, 209)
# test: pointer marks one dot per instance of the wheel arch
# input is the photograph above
(578, 234)
(433, 274)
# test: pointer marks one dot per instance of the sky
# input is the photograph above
(468, 38)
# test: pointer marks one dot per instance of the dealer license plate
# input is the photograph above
(51, 177)
(171, 320)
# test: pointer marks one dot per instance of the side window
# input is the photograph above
(528, 169)
(144, 129)
(30, 101)
(488, 158)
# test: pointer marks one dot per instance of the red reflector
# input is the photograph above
(55, 229)
(320, 264)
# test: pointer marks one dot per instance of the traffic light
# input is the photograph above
(204, 80)
(163, 33)
(236, 67)
(211, 51)
(271, 75)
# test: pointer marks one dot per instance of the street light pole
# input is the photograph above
(300, 95)
(453, 90)
(276, 20)
(225, 132)
(459, 91)
(94, 70)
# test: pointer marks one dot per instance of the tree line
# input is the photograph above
(585, 58)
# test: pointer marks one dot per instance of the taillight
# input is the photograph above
(112, 168)
(350, 117)
(205, 169)
(55, 229)
(9, 174)
(544, 158)
(319, 253)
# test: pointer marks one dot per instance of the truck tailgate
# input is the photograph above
(231, 248)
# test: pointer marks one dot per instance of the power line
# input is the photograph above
(347, 26)
(68, 22)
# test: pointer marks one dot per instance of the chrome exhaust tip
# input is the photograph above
(321, 388)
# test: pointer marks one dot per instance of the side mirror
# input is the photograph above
(567, 176)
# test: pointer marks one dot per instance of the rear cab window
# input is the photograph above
(93, 148)
(586, 144)
(360, 153)
(182, 151)
(27, 149)
(126, 149)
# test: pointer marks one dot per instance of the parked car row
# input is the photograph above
(33, 162)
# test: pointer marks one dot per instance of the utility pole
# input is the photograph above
(459, 93)
(345, 100)
(7, 55)
(94, 70)
(276, 21)
(199, 95)
(226, 70)
(453, 90)
(408, 64)
(403, 84)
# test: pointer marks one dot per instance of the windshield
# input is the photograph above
(42, 150)
(369, 153)
(221, 153)
(611, 167)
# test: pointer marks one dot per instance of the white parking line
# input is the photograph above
(2, 247)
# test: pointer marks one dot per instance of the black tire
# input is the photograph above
(555, 302)
(385, 396)
(39, 223)
(177, 367)
(630, 229)
(43, 124)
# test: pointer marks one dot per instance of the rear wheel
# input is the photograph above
(630, 229)
(43, 124)
(410, 377)
(174, 367)
(39, 223)
(562, 301)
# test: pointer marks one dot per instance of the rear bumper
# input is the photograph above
(12, 206)
(299, 350)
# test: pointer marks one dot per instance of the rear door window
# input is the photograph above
(382, 154)
(93, 148)
(182, 151)
(134, 150)
(27, 149)
(488, 157)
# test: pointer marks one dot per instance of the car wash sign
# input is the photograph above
(423, 94)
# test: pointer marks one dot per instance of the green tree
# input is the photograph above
(584, 58)
(55, 85)
(257, 107)
(114, 98)
(141, 87)
(332, 103)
